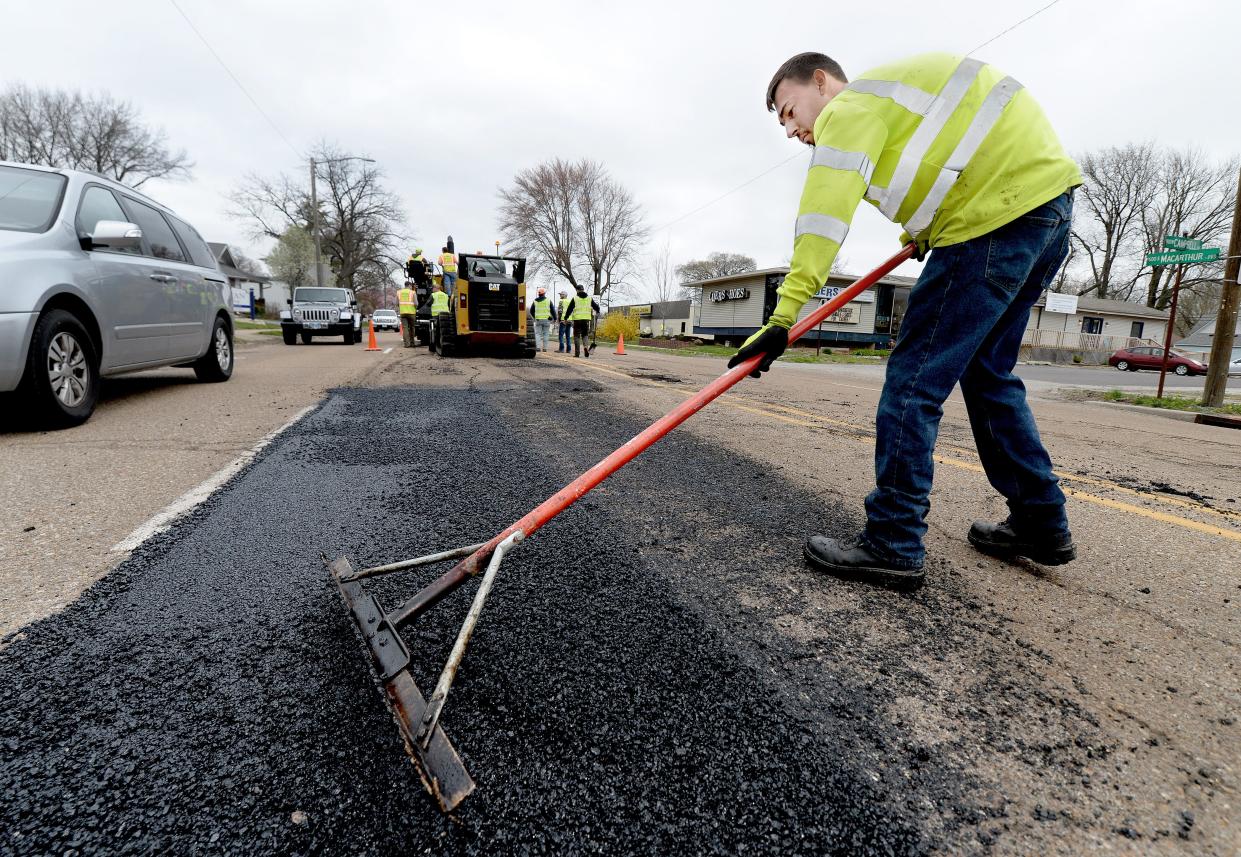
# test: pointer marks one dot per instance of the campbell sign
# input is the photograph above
(720, 295)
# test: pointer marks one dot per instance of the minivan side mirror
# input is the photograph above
(289, 301)
(116, 235)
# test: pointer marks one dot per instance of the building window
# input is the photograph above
(1135, 329)
(1092, 324)
(682, 327)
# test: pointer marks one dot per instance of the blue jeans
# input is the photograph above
(542, 333)
(566, 337)
(450, 280)
(964, 322)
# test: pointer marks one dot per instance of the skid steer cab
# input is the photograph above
(486, 310)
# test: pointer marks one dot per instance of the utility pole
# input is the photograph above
(1226, 321)
(1167, 336)
(314, 220)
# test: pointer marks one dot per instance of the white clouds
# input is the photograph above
(452, 99)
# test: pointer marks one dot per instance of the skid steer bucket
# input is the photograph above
(440, 767)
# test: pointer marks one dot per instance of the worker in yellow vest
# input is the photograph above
(407, 306)
(581, 308)
(566, 326)
(543, 311)
(962, 156)
(439, 301)
(448, 264)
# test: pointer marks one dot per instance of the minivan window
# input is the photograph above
(336, 296)
(29, 199)
(156, 230)
(98, 204)
(199, 251)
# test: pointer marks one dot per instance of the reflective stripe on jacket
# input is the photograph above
(541, 309)
(581, 308)
(439, 303)
(408, 301)
(950, 148)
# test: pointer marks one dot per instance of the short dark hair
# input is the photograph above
(800, 69)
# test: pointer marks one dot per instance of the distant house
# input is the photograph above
(1097, 324)
(237, 278)
(1198, 343)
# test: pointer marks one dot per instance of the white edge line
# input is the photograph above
(388, 350)
(165, 518)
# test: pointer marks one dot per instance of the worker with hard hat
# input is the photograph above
(566, 326)
(543, 311)
(448, 264)
(407, 306)
(963, 157)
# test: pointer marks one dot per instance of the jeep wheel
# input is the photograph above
(305, 338)
(61, 382)
(290, 335)
(217, 364)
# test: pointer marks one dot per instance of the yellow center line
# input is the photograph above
(816, 421)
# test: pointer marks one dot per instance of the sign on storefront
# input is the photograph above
(720, 295)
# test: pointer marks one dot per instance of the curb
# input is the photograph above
(1180, 416)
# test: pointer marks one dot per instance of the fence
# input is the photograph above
(1069, 340)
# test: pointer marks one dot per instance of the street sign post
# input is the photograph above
(1176, 242)
(1183, 257)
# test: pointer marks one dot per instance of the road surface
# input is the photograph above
(657, 671)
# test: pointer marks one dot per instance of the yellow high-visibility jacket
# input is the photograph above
(439, 303)
(950, 148)
(448, 262)
(407, 301)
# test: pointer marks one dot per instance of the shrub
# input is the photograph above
(614, 324)
(1077, 358)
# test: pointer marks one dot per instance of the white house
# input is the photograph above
(1073, 323)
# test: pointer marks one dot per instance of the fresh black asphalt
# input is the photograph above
(211, 696)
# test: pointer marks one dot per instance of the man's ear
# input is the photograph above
(820, 78)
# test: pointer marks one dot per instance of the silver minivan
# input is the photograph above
(97, 279)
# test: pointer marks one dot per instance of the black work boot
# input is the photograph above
(858, 563)
(1001, 540)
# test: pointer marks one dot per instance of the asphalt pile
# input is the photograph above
(210, 695)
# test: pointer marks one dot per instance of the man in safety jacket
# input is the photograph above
(407, 306)
(448, 264)
(580, 309)
(544, 312)
(566, 326)
(439, 302)
(964, 159)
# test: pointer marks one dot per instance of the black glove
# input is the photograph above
(770, 342)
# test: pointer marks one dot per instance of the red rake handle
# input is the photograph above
(639, 443)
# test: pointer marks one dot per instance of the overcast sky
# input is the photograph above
(453, 98)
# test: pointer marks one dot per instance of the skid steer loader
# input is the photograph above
(487, 309)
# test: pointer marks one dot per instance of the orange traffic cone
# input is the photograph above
(372, 345)
(620, 344)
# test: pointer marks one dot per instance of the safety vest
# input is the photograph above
(581, 308)
(448, 261)
(542, 309)
(439, 303)
(564, 306)
(950, 148)
(407, 300)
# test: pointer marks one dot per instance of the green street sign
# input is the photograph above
(1183, 257)
(1175, 242)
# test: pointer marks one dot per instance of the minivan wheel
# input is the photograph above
(1122, 365)
(1181, 370)
(61, 382)
(217, 364)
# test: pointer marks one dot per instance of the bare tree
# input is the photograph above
(574, 220)
(661, 281)
(1194, 199)
(715, 265)
(362, 224)
(61, 128)
(1120, 185)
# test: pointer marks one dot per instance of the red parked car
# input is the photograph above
(1151, 357)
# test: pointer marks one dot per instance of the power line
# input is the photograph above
(1014, 26)
(240, 86)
